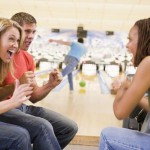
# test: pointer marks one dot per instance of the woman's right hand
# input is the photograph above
(22, 93)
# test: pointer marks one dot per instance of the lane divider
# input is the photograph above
(38, 73)
(103, 85)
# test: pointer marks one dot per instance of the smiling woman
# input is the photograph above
(11, 136)
(9, 44)
(129, 96)
(10, 40)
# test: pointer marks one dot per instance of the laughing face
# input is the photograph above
(133, 41)
(9, 42)
(29, 31)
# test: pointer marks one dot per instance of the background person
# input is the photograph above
(77, 50)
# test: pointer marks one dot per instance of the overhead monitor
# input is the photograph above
(82, 34)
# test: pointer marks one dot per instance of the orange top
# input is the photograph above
(23, 62)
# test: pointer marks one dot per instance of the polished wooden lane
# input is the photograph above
(87, 106)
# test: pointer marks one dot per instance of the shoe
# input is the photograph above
(71, 91)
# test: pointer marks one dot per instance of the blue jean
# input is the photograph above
(146, 125)
(123, 139)
(48, 130)
(13, 137)
(71, 63)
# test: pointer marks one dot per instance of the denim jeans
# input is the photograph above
(123, 139)
(71, 63)
(13, 137)
(48, 130)
(146, 124)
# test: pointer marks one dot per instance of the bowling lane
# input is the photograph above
(88, 106)
(42, 78)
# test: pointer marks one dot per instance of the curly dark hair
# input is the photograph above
(143, 47)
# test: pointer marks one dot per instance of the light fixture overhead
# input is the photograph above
(81, 33)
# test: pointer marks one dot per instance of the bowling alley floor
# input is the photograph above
(87, 106)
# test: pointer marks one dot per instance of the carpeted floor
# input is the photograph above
(80, 147)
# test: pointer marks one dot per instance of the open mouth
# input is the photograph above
(27, 43)
(11, 52)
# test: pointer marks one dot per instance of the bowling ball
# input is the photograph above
(82, 83)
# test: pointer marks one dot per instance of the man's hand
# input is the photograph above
(27, 77)
(55, 78)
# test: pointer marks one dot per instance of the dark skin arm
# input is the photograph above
(144, 104)
(130, 93)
